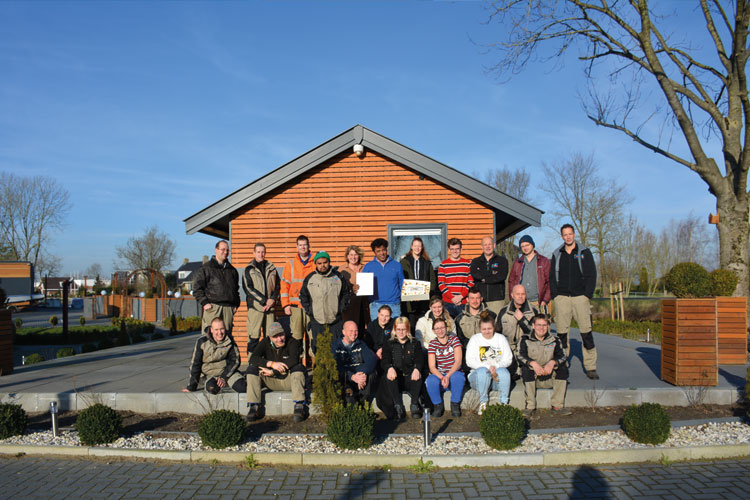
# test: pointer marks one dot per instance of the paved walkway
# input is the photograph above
(148, 377)
(48, 478)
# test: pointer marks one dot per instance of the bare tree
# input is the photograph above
(31, 209)
(154, 250)
(627, 259)
(48, 265)
(93, 270)
(700, 94)
(516, 184)
(579, 195)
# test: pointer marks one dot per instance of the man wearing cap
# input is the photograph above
(276, 363)
(324, 296)
(532, 271)
(489, 271)
(389, 277)
(291, 282)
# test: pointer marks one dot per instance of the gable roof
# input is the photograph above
(511, 215)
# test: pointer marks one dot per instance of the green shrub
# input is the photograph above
(138, 338)
(98, 424)
(82, 321)
(646, 423)
(502, 427)
(106, 344)
(65, 352)
(13, 420)
(351, 427)
(76, 335)
(18, 322)
(89, 347)
(132, 325)
(723, 282)
(34, 358)
(189, 324)
(688, 279)
(222, 428)
(157, 336)
(172, 323)
(53, 320)
(326, 384)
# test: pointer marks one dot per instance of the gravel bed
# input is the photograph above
(729, 433)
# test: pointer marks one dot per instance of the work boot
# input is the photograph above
(438, 410)
(556, 410)
(456, 409)
(300, 412)
(416, 411)
(400, 412)
(254, 412)
(529, 413)
(592, 374)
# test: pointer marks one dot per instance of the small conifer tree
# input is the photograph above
(326, 384)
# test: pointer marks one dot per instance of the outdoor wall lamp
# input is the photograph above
(359, 150)
(53, 415)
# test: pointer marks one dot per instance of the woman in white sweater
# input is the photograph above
(489, 356)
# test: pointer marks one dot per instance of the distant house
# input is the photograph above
(185, 275)
(354, 188)
(53, 285)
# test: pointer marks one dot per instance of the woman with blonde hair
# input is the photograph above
(359, 309)
(403, 365)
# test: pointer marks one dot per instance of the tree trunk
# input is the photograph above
(733, 239)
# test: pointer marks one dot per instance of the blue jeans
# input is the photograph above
(395, 309)
(453, 309)
(481, 380)
(435, 388)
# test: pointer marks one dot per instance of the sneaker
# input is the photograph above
(300, 412)
(438, 410)
(482, 407)
(556, 410)
(416, 411)
(592, 375)
(456, 409)
(254, 412)
(529, 412)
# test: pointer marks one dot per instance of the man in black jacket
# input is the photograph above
(276, 363)
(216, 287)
(572, 281)
(489, 272)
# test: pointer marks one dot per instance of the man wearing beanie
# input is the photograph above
(489, 271)
(531, 270)
(324, 296)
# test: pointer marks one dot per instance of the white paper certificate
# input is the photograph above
(415, 290)
(365, 282)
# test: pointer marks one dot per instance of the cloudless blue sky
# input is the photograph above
(147, 112)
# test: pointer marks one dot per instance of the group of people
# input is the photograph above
(384, 346)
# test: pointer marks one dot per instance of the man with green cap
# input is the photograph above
(324, 296)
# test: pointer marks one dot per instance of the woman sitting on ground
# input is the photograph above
(217, 357)
(489, 356)
(402, 363)
(444, 356)
(424, 331)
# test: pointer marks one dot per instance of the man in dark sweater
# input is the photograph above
(216, 287)
(276, 363)
(489, 271)
(572, 282)
(356, 364)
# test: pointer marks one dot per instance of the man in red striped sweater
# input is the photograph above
(454, 278)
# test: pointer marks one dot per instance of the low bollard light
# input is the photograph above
(53, 414)
(427, 432)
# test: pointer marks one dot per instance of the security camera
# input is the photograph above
(359, 149)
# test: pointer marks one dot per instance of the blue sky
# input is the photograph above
(148, 112)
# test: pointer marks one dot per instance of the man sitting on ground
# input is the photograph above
(514, 320)
(356, 364)
(276, 362)
(542, 360)
(216, 357)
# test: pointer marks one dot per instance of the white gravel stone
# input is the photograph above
(701, 435)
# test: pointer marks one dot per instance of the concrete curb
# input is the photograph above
(570, 458)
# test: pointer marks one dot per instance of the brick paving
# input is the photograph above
(64, 479)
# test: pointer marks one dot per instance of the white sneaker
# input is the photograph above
(482, 407)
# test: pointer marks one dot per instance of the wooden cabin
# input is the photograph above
(338, 197)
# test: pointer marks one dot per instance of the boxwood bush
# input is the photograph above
(65, 352)
(723, 282)
(34, 358)
(98, 424)
(646, 423)
(13, 420)
(222, 428)
(502, 427)
(352, 427)
(688, 279)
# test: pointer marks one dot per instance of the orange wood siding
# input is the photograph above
(689, 349)
(15, 269)
(732, 330)
(350, 201)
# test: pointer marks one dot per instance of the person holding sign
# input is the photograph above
(417, 266)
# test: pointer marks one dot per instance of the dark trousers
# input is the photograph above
(353, 394)
(240, 385)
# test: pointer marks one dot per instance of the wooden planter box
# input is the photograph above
(731, 316)
(6, 342)
(689, 345)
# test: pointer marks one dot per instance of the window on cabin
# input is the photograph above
(400, 237)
